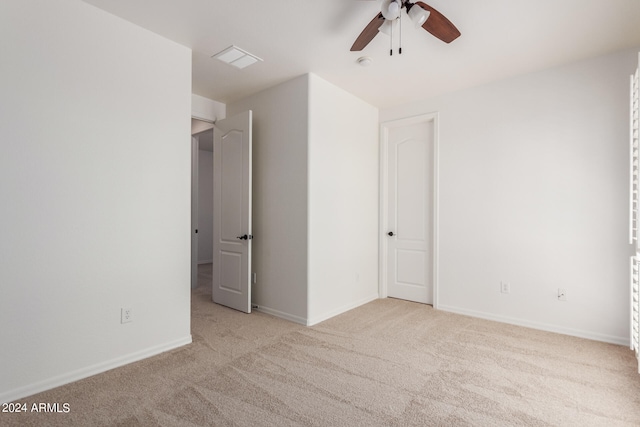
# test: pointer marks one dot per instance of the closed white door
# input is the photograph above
(409, 188)
(232, 212)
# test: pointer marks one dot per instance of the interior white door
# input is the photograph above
(232, 212)
(194, 211)
(409, 231)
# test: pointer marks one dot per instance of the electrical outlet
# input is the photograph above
(505, 287)
(126, 315)
(562, 294)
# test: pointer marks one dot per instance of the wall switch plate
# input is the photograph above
(505, 287)
(126, 315)
(562, 294)
(255, 278)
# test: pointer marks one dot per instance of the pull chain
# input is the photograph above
(400, 43)
(391, 40)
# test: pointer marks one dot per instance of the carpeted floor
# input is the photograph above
(390, 362)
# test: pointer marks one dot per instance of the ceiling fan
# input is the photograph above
(420, 13)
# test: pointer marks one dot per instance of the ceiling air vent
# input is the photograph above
(237, 57)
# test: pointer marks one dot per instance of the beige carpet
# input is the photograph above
(390, 363)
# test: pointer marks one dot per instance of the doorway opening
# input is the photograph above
(222, 209)
(201, 202)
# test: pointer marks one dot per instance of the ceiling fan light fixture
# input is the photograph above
(418, 15)
(391, 8)
(387, 26)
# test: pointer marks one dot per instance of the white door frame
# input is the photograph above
(195, 154)
(194, 210)
(384, 198)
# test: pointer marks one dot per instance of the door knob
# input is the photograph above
(391, 233)
(243, 237)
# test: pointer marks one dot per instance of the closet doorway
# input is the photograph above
(409, 211)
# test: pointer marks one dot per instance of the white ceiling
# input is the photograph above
(500, 38)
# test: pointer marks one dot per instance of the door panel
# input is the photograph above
(232, 212)
(409, 254)
(231, 271)
(410, 268)
(231, 180)
(411, 187)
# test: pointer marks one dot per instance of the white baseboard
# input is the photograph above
(611, 339)
(340, 310)
(281, 314)
(31, 389)
(310, 322)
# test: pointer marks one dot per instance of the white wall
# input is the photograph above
(280, 141)
(94, 183)
(533, 191)
(343, 201)
(205, 206)
(207, 109)
(315, 186)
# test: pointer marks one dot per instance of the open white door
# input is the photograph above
(232, 212)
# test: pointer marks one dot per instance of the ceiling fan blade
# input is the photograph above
(438, 25)
(369, 32)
